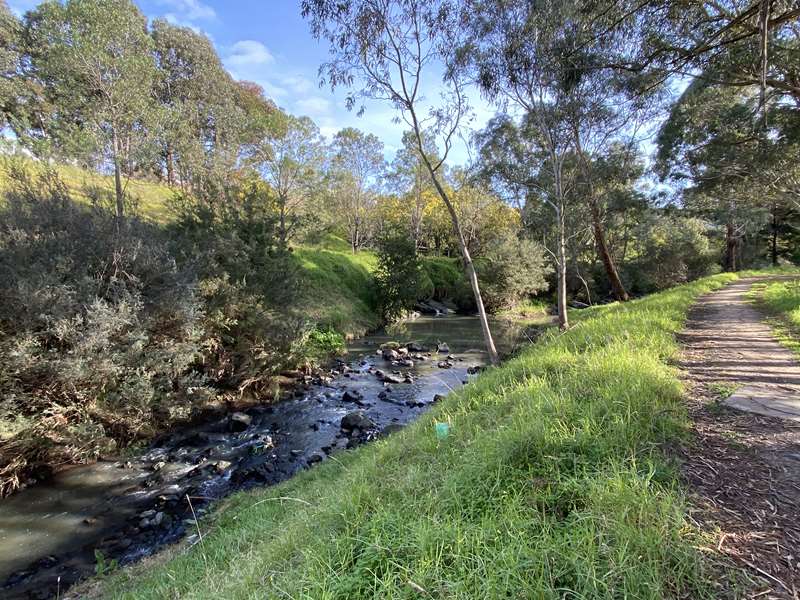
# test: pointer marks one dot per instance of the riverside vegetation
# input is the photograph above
(554, 478)
(174, 246)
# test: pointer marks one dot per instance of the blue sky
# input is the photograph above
(268, 42)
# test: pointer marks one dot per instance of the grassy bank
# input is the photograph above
(148, 199)
(551, 484)
(780, 300)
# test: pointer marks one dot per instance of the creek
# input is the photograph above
(55, 533)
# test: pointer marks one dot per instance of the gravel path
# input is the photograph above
(743, 464)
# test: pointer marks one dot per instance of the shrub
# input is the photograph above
(510, 270)
(114, 330)
(399, 275)
(673, 250)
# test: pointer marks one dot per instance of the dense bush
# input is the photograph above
(510, 270)
(112, 330)
(673, 250)
(443, 279)
(399, 274)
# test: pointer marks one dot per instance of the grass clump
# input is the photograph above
(552, 483)
(781, 301)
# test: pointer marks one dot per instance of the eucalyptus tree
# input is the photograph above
(737, 43)
(357, 167)
(10, 28)
(393, 50)
(290, 162)
(531, 161)
(197, 98)
(735, 168)
(557, 63)
(93, 60)
(411, 178)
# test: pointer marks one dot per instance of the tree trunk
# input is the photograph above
(170, 160)
(602, 249)
(774, 245)
(282, 225)
(117, 175)
(563, 319)
(468, 266)
(730, 248)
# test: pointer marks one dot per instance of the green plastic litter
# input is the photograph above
(442, 430)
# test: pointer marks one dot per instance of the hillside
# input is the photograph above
(339, 293)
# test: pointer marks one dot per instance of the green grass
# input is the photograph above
(339, 289)
(780, 300)
(533, 310)
(148, 199)
(552, 484)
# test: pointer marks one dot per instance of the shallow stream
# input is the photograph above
(55, 533)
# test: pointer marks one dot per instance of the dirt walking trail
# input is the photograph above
(743, 465)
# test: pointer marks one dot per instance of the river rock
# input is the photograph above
(387, 377)
(391, 428)
(357, 420)
(239, 421)
(443, 348)
(352, 396)
(158, 465)
(474, 370)
(406, 362)
(390, 354)
(444, 365)
(315, 458)
(438, 397)
(415, 347)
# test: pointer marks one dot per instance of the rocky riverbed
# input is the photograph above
(116, 512)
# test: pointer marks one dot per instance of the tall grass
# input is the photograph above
(781, 301)
(552, 484)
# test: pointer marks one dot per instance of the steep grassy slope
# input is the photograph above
(552, 484)
(149, 199)
(340, 291)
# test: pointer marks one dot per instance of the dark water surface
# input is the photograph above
(51, 533)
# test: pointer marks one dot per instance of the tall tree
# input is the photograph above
(94, 61)
(357, 166)
(291, 163)
(390, 47)
(413, 181)
(198, 100)
(557, 62)
(10, 29)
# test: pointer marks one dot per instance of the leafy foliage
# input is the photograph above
(398, 275)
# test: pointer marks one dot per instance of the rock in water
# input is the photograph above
(239, 421)
(443, 348)
(357, 420)
(352, 396)
(390, 354)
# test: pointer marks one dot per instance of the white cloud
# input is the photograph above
(245, 53)
(313, 107)
(190, 10)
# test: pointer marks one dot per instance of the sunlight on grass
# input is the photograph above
(551, 483)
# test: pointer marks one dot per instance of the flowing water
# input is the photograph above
(55, 533)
